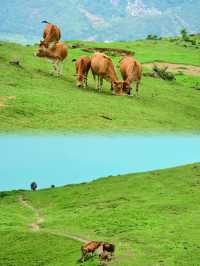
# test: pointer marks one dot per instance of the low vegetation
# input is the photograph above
(152, 218)
(162, 73)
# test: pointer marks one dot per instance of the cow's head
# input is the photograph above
(117, 86)
(42, 50)
(80, 80)
(127, 88)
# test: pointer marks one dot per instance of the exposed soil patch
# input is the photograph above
(68, 235)
(177, 68)
(109, 51)
(2, 105)
(3, 100)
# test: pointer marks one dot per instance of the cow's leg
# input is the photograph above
(137, 88)
(101, 84)
(98, 83)
(86, 80)
(60, 68)
(54, 68)
(82, 259)
(111, 87)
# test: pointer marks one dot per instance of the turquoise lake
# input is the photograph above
(61, 160)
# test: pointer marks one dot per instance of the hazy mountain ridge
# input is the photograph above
(98, 20)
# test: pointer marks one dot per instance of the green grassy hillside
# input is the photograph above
(33, 100)
(153, 218)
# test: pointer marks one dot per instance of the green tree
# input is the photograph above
(184, 34)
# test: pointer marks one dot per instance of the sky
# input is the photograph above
(61, 160)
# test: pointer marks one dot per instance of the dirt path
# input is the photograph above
(70, 236)
(39, 220)
(177, 68)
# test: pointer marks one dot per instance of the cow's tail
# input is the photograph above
(45, 21)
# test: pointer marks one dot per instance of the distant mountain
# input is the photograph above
(102, 20)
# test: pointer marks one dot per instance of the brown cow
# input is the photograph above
(82, 68)
(131, 70)
(89, 248)
(57, 54)
(51, 35)
(102, 66)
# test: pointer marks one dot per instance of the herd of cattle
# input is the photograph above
(106, 250)
(100, 64)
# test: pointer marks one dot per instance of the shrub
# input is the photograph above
(193, 42)
(196, 86)
(184, 34)
(163, 73)
(152, 37)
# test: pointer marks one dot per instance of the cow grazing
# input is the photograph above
(104, 256)
(131, 70)
(82, 68)
(57, 54)
(102, 66)
(89, 248)
(107, 247)
(51, 35)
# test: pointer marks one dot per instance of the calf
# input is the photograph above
(102, 66)
(104, 256)
(131, 70)
(89, 248)
(57, 54)
(51, 35)
(82, 68)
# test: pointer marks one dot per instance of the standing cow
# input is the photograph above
(102, 66)
(131, 70)
(51, 35)
(56, 54)
(83, 65)
(89, 248)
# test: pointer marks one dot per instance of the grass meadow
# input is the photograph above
(153, 218)
(33, 100)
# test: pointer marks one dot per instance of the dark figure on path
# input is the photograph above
(33, 186)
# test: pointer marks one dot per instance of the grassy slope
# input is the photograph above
(20, 246)
(152, 217)
(45, 102)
